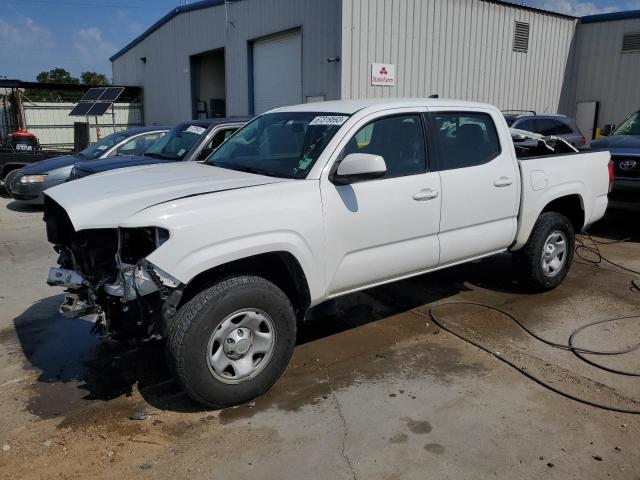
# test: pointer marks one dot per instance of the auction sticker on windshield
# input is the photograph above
(195, 129)
(329, 120)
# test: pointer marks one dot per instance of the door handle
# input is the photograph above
(426, 194)
(503, 182)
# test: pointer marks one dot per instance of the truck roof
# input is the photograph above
(352, 106)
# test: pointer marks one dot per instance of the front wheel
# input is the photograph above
(545, 259)
(232, 341)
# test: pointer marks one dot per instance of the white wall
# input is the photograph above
(53, 126)
(455, 48)
(603, 73)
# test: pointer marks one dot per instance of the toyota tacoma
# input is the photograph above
(304, 204)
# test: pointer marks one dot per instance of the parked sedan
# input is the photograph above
(624, 145)
(194, 140)
(547, 125)
(28, 183)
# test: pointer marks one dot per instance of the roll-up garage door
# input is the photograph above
(277, 72)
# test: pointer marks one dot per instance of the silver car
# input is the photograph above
(28, 183)
(547, 125)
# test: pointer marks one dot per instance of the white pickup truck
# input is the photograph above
(304, 204)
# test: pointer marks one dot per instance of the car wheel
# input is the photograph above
(545, 259)
(232, 341)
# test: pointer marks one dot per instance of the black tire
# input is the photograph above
(195, 323)
(529, 258)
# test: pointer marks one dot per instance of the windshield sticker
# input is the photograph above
(195, 129)
(102, 147)
(329, 120)
(181, 152)
(304, 163)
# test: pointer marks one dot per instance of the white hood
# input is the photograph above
(106, 199)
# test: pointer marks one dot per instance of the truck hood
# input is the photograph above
(50, 164)
(105, 164)
(107, 199)
(617, 141)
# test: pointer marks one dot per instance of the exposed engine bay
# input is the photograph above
(108, 277)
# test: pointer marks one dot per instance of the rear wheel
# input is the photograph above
(545, 259)
(232, 341)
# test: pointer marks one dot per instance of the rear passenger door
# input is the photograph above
(480, 183)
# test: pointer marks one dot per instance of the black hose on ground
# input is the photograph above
(579, 351)
(582, 251)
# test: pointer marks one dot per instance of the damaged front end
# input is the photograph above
(107, 276)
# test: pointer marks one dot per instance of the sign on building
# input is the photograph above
(383, 74)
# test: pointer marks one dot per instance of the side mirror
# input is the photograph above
(607, 130)
(357, 167)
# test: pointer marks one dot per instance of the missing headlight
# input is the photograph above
(137, 243)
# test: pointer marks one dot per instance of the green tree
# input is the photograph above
(60, 75)
(55, 75)
(94, 78)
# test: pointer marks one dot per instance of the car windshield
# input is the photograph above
(94, 151)
(176, 143)
(631, 126)
(510, 119)
(280, 144)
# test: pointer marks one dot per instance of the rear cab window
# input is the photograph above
(464, 139)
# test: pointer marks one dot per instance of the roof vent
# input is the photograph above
(521, 37)
(631, 42)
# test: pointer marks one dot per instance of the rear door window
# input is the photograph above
(464, 139)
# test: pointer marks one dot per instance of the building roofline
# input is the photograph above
(173, 13)
(610, 17)
(214, 3)
(532, 9)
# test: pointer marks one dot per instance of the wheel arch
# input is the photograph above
(281, 268)
(569, 204)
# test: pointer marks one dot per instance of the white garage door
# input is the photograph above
(277, 72)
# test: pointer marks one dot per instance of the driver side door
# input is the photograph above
(383, 229)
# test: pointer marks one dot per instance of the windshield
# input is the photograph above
(176, 143)
(280, 144)
(94, 151)
(631, 126)
(510, 120)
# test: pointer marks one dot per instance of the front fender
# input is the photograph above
(187, 265)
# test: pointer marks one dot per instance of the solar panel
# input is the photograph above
(99, 108)
(92, 94)
(111, 94)
(96, 101)
(81, 109)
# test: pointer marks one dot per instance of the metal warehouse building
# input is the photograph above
(247, 56)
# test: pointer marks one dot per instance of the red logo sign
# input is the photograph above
(383, 71)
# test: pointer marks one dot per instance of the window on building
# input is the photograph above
(521, 37)
(398, 139)
(631, 42)
(465, 139)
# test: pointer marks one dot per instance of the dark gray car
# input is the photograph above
(28, 183)
(624, 145)
(547, 125)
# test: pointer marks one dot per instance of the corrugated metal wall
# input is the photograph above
(166, 77)
(458, 49)
(603, 73)
(53, 126)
